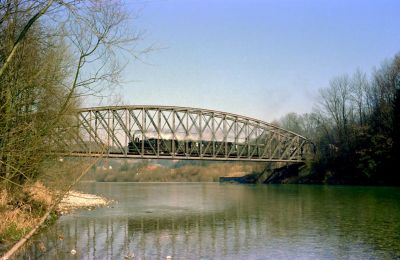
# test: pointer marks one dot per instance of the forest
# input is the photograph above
(355, 126)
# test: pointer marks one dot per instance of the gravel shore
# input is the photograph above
(74, 200)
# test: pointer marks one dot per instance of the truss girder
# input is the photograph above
(180, 133)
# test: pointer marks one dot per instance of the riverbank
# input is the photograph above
(20, 222)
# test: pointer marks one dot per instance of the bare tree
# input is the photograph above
(13, 8)
(359, 92)
(53, 54)
(336, 103)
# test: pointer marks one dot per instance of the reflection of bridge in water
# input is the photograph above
(164, 132)
(228, 222)
(212, 235)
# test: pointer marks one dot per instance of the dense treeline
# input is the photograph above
(355, 126)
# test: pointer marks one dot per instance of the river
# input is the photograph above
(228, 221)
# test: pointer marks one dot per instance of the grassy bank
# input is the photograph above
(21, 210)
(23, 206)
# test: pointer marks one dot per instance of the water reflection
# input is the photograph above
(211, 221)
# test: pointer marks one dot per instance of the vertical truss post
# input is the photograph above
(110, 114)
(96, 126)
(225, 137)
(143, 128)
(173, 133)
(129, 127)
(90, 136)
(187, 134)
(76, 132)
(108, 135)
(214, 134)
(270, 145)
(247, 138)
(126, 133)
(158, 131)
(259, 134)
(235, 132)
(200, 141)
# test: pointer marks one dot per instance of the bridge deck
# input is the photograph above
(178, 157)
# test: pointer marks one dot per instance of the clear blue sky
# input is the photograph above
(256, 58)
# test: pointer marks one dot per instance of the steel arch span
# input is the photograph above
(170, 132)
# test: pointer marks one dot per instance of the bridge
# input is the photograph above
(170, 132)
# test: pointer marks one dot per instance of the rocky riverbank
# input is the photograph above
(75, 200)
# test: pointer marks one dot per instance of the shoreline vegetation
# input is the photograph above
(23, 206)
(17, 224)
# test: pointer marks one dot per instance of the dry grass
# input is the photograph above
(22, 208)
(39, 193)
(16, 220)
(21, 219)
(3, 198)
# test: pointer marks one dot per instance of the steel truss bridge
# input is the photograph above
(169, 132)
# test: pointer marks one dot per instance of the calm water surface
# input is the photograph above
(227, 221)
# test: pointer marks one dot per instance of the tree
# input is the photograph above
(359, 91)
(52, 54)
(28, 91)
(336, 104)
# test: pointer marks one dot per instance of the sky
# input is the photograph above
(261, 59)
